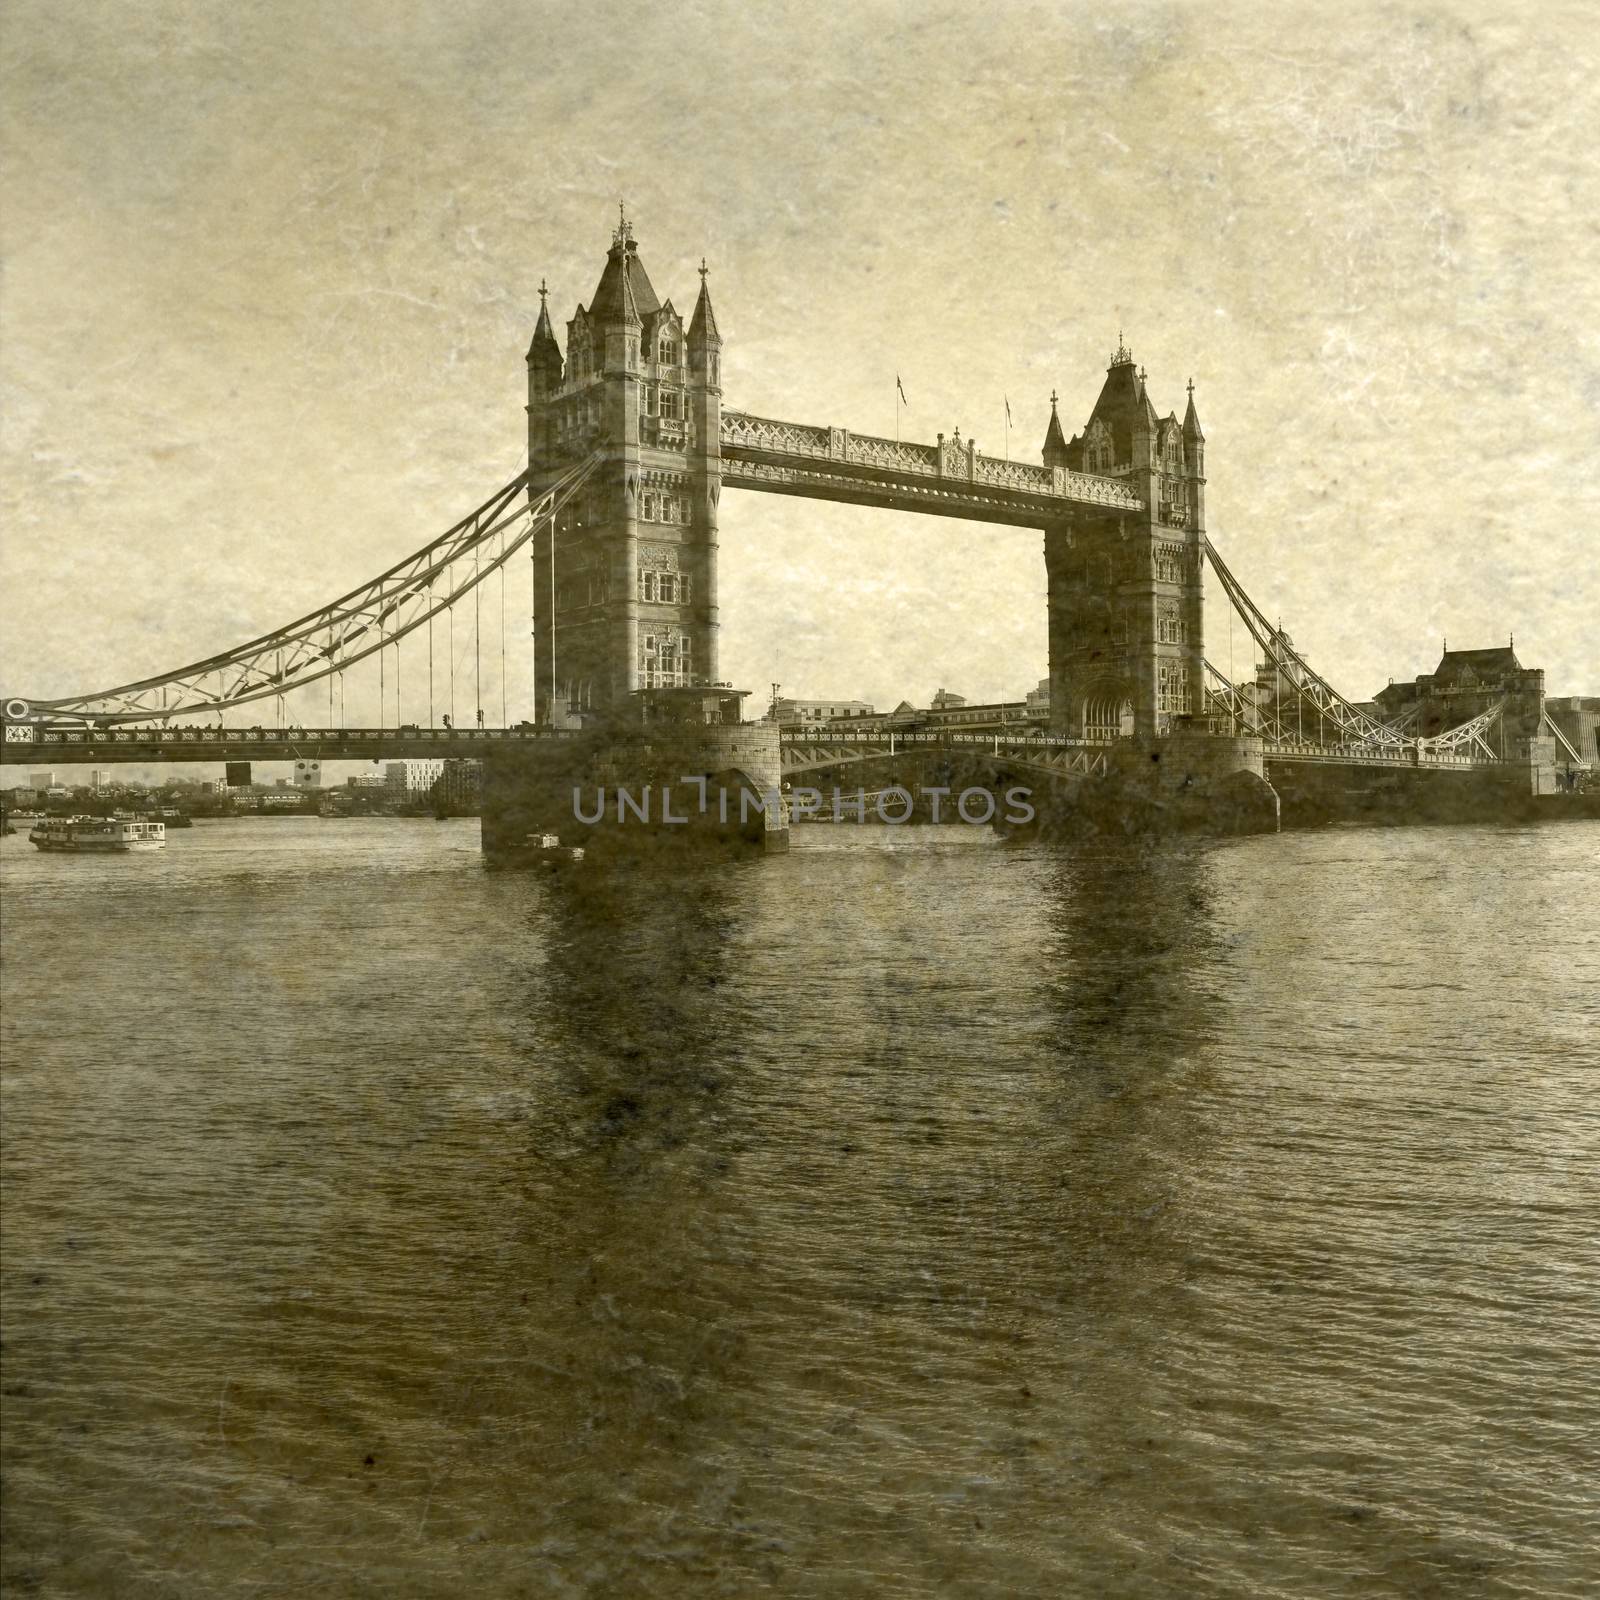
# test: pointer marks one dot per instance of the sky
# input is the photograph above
(270, 271)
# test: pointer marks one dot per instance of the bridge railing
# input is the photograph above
(1408, 756)
(1053, 741)
(284, 736)
(950, 461)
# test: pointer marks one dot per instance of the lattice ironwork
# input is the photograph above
(1224, 699)
(1467, 736)
(1352, 726)
(348, 630)
(953, 463)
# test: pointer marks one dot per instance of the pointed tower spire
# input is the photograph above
(1151, 421)
(630, 301)
(544, 354)
(1055, 443)
(1191, 419)
(544, 334)
(703, 325)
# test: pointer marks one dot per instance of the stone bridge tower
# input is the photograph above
(627, 599)
(1125, 623)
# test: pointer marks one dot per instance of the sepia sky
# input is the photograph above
(270, 270)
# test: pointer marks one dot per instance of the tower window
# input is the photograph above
(669, 352)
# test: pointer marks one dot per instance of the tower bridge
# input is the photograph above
(619, 512)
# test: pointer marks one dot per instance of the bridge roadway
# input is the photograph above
(807, 750)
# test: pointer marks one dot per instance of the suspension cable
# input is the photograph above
(504, 719)
(430, 652)
(1233, 715)
(477, 647)
(363, 621)
(552, 619)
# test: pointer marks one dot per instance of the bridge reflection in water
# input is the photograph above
(916, 1214)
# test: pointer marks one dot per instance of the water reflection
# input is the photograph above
(910, 1216)
(629, 1221)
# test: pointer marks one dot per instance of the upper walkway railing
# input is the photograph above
(951, 463)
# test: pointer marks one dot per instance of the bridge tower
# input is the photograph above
(1125, 589)
(626, 599)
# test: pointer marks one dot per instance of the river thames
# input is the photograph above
(912, 1215)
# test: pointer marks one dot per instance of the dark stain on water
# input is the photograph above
(906, 1216)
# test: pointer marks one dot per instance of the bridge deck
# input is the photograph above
(33, 744)
(82, 746)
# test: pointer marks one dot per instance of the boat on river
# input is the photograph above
(98, 835)
(541, 849)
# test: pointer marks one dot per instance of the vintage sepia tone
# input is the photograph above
(798, 800)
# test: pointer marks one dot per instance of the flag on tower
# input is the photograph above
(1007, 399)
(901, 387)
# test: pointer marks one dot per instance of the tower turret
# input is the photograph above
(1055, 442)
(544, 353)
(705, 456)
(1144, 426)
(1194, 440)
(545, 371)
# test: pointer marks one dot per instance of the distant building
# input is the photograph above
(943, 700)
(368, 780)
(1274, 692)
(99, 779)
(458, 789)
(812, 713)
(412, 776)
(1465, 684)
(42, 780)
(904, 716)
(308, 773)
(1038, 699)
(955, 714)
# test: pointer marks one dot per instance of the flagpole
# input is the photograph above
(1008, 427)
(897, 408)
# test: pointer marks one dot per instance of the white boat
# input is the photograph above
(98, 835)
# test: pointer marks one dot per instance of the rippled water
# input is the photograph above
(912, 1215)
